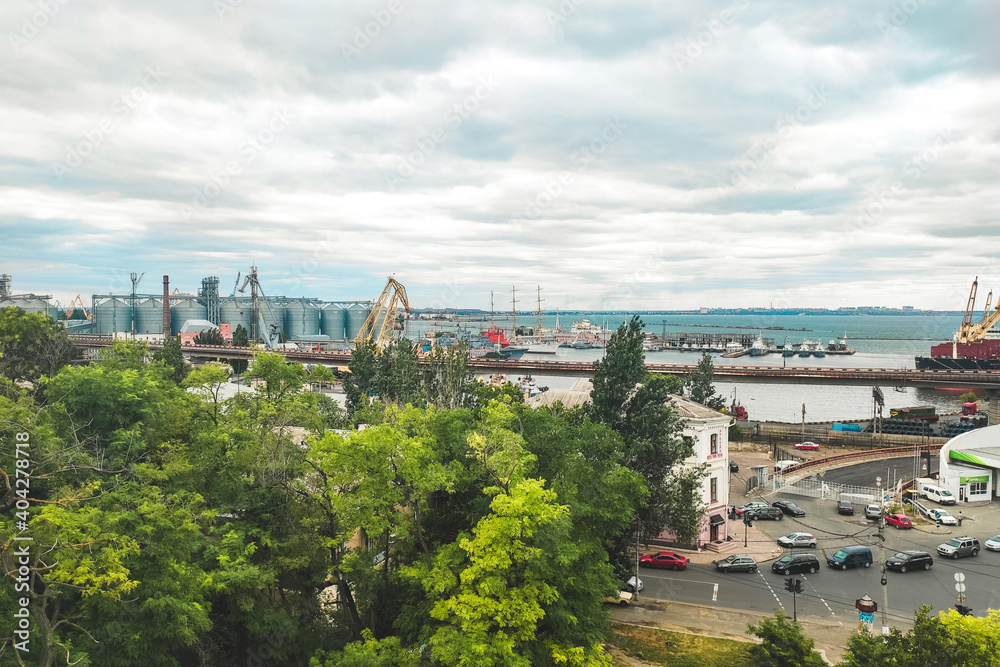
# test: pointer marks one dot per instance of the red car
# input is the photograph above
(807, 445)
(664, 560)
(899, 521)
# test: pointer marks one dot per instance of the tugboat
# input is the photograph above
(787, 350)
(818, 350)
(806, 349)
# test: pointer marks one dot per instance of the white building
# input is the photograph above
(708, 431)
(969, 463)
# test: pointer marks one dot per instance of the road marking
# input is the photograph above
(768, 584)
(819, 596)
(715, 594)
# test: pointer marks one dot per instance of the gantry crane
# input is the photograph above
(78, 301)
(971, 332)
(381, 322)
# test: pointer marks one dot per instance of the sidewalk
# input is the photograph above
(830, 637)
(759, 545)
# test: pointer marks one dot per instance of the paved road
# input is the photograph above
(832, 593)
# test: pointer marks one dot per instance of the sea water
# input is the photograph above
(881, 341)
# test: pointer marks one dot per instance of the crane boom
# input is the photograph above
(381, 322)
(966, 329)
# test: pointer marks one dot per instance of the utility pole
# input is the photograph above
(803, 422)
(746, 526)
(881, 556)
(539, 332)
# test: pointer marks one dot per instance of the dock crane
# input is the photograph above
(77, 303)
(971, 332)
(381, 322)
(259, 327)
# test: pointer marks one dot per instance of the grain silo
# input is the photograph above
(149, 316)
(184, 310)
(236, 312)
(301, 319)
(111, 315)
(357, 313)
(332, 321)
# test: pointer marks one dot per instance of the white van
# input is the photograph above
(937, 494)
(782, 466)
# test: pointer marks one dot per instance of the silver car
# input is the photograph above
(737, 563)
(943, 517)
(873, 511)
(798, 540)
(993, 544)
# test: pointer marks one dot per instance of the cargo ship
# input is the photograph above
(980, 355)
(976, 346)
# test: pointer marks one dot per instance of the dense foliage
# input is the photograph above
(185, 524)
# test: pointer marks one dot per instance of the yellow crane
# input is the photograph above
(381, 322)
(78, 301)
(971, 332)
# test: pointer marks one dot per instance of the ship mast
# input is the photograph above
(539, 314)
(513, 308)
(492, 325)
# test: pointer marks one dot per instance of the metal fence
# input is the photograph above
(816, 488)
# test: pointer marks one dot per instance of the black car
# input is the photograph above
(789, 508)
(910, 560)
(796, 563)
(734, 466)
(772, 513)
(845, 507)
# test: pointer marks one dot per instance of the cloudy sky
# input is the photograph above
(621, 154)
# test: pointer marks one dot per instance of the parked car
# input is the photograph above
(622, 598)
(851, 557)
(751, 506)
(796, 563)
(807, 445)
(993, 544)
(630, 585)
(665, 560)
(873, 511)
(782, 466)
(943, 517)
(734, 466)
(910, 560)
(789, 508)
(937, 494)
(898, 520)
(959, 546)
(737, 563)
(845, 507)
(798, 540)
(772, 513)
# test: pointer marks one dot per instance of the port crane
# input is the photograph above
(260, 328)
(77, 302)
(381, 322)
(972, 331)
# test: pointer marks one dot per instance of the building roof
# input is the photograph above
(580, 394)
(196, 326)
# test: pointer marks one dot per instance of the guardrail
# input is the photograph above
(888, 452)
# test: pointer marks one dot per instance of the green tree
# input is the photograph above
(280, 379)
(397, 376)
(172, 357)
(241, 338)
(783, 644)
(639, 407)
(447, 378)
(968, 397)
(946, 639)
(209, 337)
(321, 375)
(31, 345)
(208, 381)
(700, 384)
(492, 589)
(360, 383)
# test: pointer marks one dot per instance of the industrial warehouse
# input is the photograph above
(273, 319)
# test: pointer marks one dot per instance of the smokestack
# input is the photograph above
(166, 307)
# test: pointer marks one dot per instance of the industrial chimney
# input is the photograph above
(166, 307)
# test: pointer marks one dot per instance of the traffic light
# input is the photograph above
(798, 585)
(963, 610)
(789, 584)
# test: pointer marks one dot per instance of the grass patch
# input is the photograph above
(675, 649)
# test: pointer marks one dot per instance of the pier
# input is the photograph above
(885, 377)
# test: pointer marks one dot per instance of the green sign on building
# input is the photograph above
(974, 480)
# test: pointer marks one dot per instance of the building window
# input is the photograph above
(715, 443)
(713, 486)
(977, 488)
